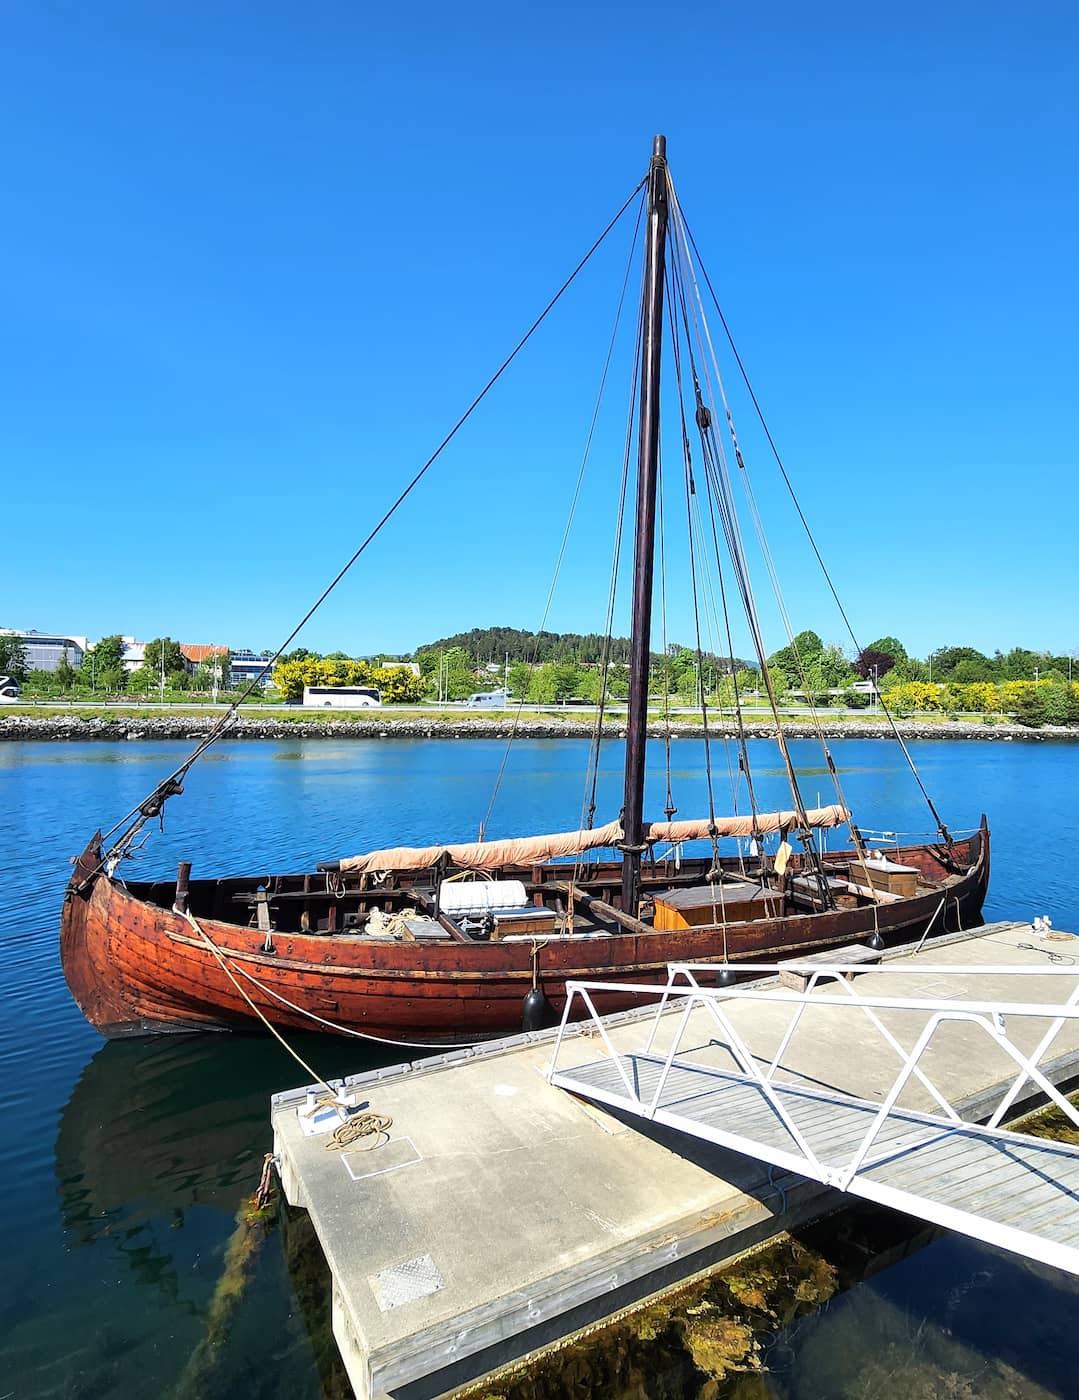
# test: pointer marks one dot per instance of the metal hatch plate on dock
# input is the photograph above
(512, 1213)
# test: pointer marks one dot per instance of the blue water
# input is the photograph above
(124, 1164)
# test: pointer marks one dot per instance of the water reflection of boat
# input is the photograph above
(155, 1127)
(159, 1127)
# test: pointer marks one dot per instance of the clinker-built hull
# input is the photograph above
(136, 965)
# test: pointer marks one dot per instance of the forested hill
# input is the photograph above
(496, 643)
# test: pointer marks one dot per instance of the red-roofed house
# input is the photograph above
(194, 656)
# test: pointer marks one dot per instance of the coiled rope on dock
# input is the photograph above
(359, 1126)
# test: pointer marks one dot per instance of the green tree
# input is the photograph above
(65, 674)
(40, 682)
(554, 682)
(890, 646)
(780, 684)
(969, 672)
(108, 655)
(1018, 664)
(903, 672)
(520, 673)
(167, 648)
(618, 681)
(833, 667)
(459, 677)
(1030, 707)
(13, 658)
(1054, 703)
(791, 660)
(213, 671)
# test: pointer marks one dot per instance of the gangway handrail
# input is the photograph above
(839, 973)
(988, 1015)
(1007, 1188)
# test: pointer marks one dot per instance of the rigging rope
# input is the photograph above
(706, 419)
(687, 464)
(670, 807)
(569, 521)
(717, 474)
(170, 786)
(941, 827)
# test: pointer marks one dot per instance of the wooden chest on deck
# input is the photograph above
(886, 875)
(529, 922)
(701, 905)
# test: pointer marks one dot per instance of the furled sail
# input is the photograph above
(529, 850)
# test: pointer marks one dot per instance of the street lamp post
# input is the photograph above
(876, 694)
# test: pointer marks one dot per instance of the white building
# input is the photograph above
(134, 654)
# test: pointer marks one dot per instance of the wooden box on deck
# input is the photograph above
(703, 905)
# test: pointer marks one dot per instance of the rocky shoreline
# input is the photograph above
(194, 727)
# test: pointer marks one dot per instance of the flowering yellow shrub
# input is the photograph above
(397, 683)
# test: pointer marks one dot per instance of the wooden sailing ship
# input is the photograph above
(454, 942)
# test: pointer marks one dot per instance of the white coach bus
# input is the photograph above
(342, 697)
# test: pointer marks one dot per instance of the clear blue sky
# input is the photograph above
(257, 257)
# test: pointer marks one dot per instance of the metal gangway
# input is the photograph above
(1009, 1189)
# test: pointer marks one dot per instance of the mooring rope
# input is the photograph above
(334, 1026)
(216, 951)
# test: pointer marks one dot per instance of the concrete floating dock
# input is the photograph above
(500, 1213)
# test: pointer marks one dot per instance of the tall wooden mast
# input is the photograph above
(647, 475)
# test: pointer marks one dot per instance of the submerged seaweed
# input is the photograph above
(253, 1224)
(703, 1340)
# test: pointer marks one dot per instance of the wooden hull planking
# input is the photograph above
(136, 968)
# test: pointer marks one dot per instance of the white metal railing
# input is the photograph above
(989, 1015)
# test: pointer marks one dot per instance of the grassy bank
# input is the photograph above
(458, 717)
